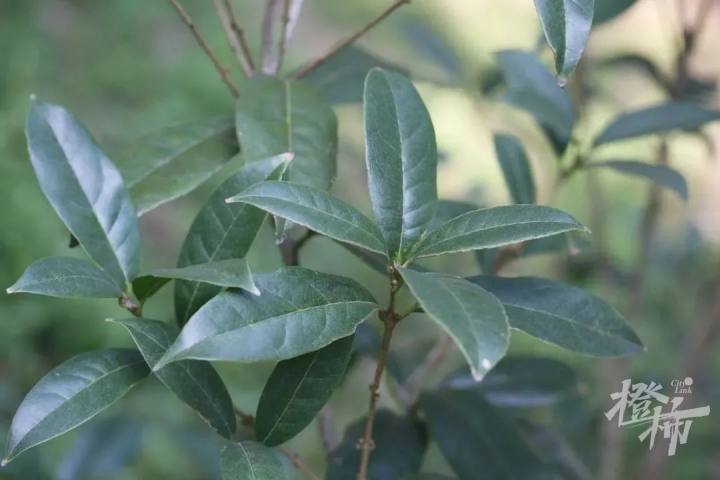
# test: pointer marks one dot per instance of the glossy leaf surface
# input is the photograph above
(298, 311)
(254, 461)
(196, 383)
(71, 394)
(495, 227)
(473, 317)
(222, 231)
(66, 277)
(566, 316)
(566, 24)
(276, 116)
(401, 159)
(315, 209)
(297, 389)
(85, 189)
(174, 161)
(229, 273)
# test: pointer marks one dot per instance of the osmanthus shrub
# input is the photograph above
(303, 319)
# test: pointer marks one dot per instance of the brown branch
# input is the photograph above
(349, 40)
(390, 320)
(221, 69)
(235, 35)
(246, 420)
(129, 304)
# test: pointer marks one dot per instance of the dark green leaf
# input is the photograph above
(276, 116)
(495, 227)
(72, 394)
(254, 461)
(534, 89)
(315, 209)
(520, 382)
(566, 316)
(567, 27)
(103, 450)
(446, 210)
(222, 231)
(195, 383)
(176, 160)
(401, 158)
(66, 277)
(85, 189)
(471, 316)
(516, 168)
(298, 311)
(341, 78)
(662, 175)
(478, 440)
(297, 389)
(606, 10)
(229, 273)
(658, 119)
(400, 444)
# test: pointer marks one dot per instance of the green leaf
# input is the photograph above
(66, 277)
(71, 394)
(473, 317)
(446, 210)
(197, 384)
(229, 273)
(495, 227)
(606, 10)
(275, 116)
(566, 24)
(222, 231)
(297, 389)
(174, 161)
(566, 316)
(85, 189)
(341, 78)
(103, 450)
(657, 119)
(662, 175)
(298, 311)
(315, 209)
(520, 382)
(401, 159)
(478, 440)
(400, 444)
(534, 89)
(254, 461)
(515, 168)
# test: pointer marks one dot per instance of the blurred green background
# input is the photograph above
(129, 67)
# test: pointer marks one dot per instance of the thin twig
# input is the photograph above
(246, 420)
(344, 43)
(266, 37)
(221, 69)
(129, 304)
(299, 464)
(284, 40)
(235, 35)
(390, 320)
